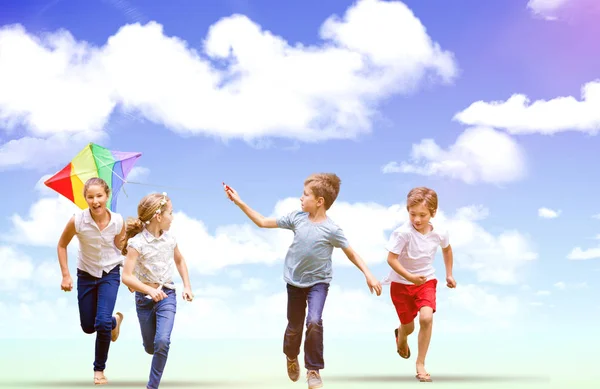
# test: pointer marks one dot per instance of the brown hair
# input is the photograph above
(422, 195)
(96, 181)
(326, 185)
(147, 209)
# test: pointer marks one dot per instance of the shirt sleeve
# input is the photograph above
(288, 221)
(135, 244)
(445, 239)
(396, 243)
(338, 239)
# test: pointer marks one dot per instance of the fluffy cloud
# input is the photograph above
(480, 154)
(479, 302)
(580, 254)
(518, 116)
(547, 213)
(16, 267)
(495, 259)
(546, 9)
(246, 82)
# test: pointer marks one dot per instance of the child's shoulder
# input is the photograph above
(403, 229)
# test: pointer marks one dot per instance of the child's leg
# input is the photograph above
(407, 311)
(313, 345)
(426, 302)
(108, 287)
(87, 300)
(165, 318)
(147, 318)
(296, 311)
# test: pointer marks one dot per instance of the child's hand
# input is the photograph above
(156, 294)
(418, 280)
(231, 194)
(450, 282)
(374, 284)
(67, 284)
(187, 294)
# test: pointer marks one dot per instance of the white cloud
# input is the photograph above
(542, 293)
(518, 116)
(546, 9)
(496, 259)
(40, 152)
(480, 154)
(560, 285)
(579, 254)
(252, 284)
(138, 173)
(245, 83)
(596, 216)
(16, 267)
(548, 213)
(479, 302)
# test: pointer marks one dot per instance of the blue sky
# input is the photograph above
(297, 95)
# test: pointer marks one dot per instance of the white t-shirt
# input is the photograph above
(416, 251)
(97, 250)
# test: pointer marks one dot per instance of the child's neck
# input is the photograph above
(318, 216)
(154, 229)
(104, 218)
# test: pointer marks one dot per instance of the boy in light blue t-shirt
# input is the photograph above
(308, 269)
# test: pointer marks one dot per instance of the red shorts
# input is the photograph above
(409, 299)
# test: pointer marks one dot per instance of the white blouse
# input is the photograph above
(157, 258)
(97, 250)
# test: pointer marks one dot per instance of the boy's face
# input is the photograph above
(419, 217)
(309, 202)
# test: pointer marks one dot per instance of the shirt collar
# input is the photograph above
(87, 217)
(149, 237)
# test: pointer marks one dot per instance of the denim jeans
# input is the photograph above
(296, 311)
(156, 323)
(96, 298)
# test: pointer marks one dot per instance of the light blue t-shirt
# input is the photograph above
(308, 260)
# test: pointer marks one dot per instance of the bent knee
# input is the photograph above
(162, 344)
(312, 323)
(88, 329)
(104, 325)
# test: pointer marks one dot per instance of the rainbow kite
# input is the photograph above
(93, 161)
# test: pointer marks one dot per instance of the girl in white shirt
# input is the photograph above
(100, 233)
(412, 249)
(152, 253)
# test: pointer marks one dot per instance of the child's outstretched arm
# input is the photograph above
(398, 268)
(448, 261)
(183, 272)
(257, 218)
(133, 283)
(66, 237)
(372, 282)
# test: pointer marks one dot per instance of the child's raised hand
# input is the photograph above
(450, 282)
(66, 284)
(374, 285)
(231, 194)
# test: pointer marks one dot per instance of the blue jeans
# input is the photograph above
(156, 323)
(96, 298)
(296, 311)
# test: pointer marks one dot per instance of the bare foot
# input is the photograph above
(422, 374)
(100, 378)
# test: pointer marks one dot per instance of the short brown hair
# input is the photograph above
(422, 195)
(326, 185)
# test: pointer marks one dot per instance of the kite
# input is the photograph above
(93, 161)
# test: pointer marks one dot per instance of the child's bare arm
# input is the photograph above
(120, 239)
(257, 218)
(448, 262)
(372, 282)
(392, 260)
(65, 238)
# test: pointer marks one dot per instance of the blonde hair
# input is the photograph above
(422, 195)
(148, 207)
(326, 185)
(96, 181)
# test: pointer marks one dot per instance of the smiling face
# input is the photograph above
(96, 198)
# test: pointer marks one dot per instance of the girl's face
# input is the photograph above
(96, 198)
(166, 217)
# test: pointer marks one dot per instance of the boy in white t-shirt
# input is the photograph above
(412, 249)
